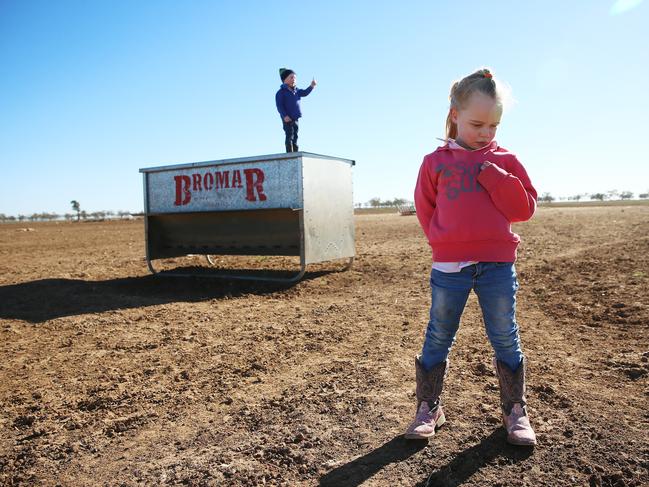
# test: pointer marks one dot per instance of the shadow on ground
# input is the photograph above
(453, 474)
(464, 465)
(359, 470)
(46, 299)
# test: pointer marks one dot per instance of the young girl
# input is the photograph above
(468, 193)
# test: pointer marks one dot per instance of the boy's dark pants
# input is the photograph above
(290, 129)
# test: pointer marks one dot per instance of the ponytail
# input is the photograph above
(451, 127)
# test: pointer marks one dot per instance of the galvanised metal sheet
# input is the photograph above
(250, 185)
(328, 210)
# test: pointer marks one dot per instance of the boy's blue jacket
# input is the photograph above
(288, 101)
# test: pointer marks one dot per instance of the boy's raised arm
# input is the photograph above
(306, 92)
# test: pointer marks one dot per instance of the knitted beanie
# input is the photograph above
(285, 73)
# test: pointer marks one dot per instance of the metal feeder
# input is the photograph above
(291, 204)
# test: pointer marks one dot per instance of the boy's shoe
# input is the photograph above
(512, 402)
(429, 413)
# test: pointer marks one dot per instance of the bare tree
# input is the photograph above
(375, 202)
(76, 207)
(546, 198)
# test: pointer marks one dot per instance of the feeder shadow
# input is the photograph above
(46, 299)
(361, 469)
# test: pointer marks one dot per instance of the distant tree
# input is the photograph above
(46, 216)
(598, 196)
(3, 217)
(76, 207)
(626, 195)
(33, 217)
(83, 214)
(613, 194)
(643, 196)
(575, 197)
(546, 198)
(68, 216)
(375, 202)
(21, 218)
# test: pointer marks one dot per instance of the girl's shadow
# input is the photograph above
(358, 471)
(455, 473)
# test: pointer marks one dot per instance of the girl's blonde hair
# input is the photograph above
(483, 81)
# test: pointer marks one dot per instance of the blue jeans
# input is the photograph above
(495, 284)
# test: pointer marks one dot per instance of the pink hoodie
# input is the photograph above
(467, 213)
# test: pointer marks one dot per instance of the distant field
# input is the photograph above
(571, 204)
(555, 204)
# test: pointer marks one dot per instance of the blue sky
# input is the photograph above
(91, 91)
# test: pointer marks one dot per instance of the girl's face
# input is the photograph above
(478, 121)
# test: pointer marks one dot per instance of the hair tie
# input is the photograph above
(488, 75)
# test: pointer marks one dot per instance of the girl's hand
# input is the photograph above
(287, 119)
(313, 83)
(485, 165)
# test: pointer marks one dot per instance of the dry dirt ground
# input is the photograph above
(110, 376)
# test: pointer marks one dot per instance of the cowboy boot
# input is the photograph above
(429, 413)
(512, 402)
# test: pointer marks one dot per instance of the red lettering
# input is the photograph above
(236, 179)
(197, 182)
(183, 195)
(222, 179)
(254, 181)
(208, 181)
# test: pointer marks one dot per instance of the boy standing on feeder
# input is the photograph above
(287, 100)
